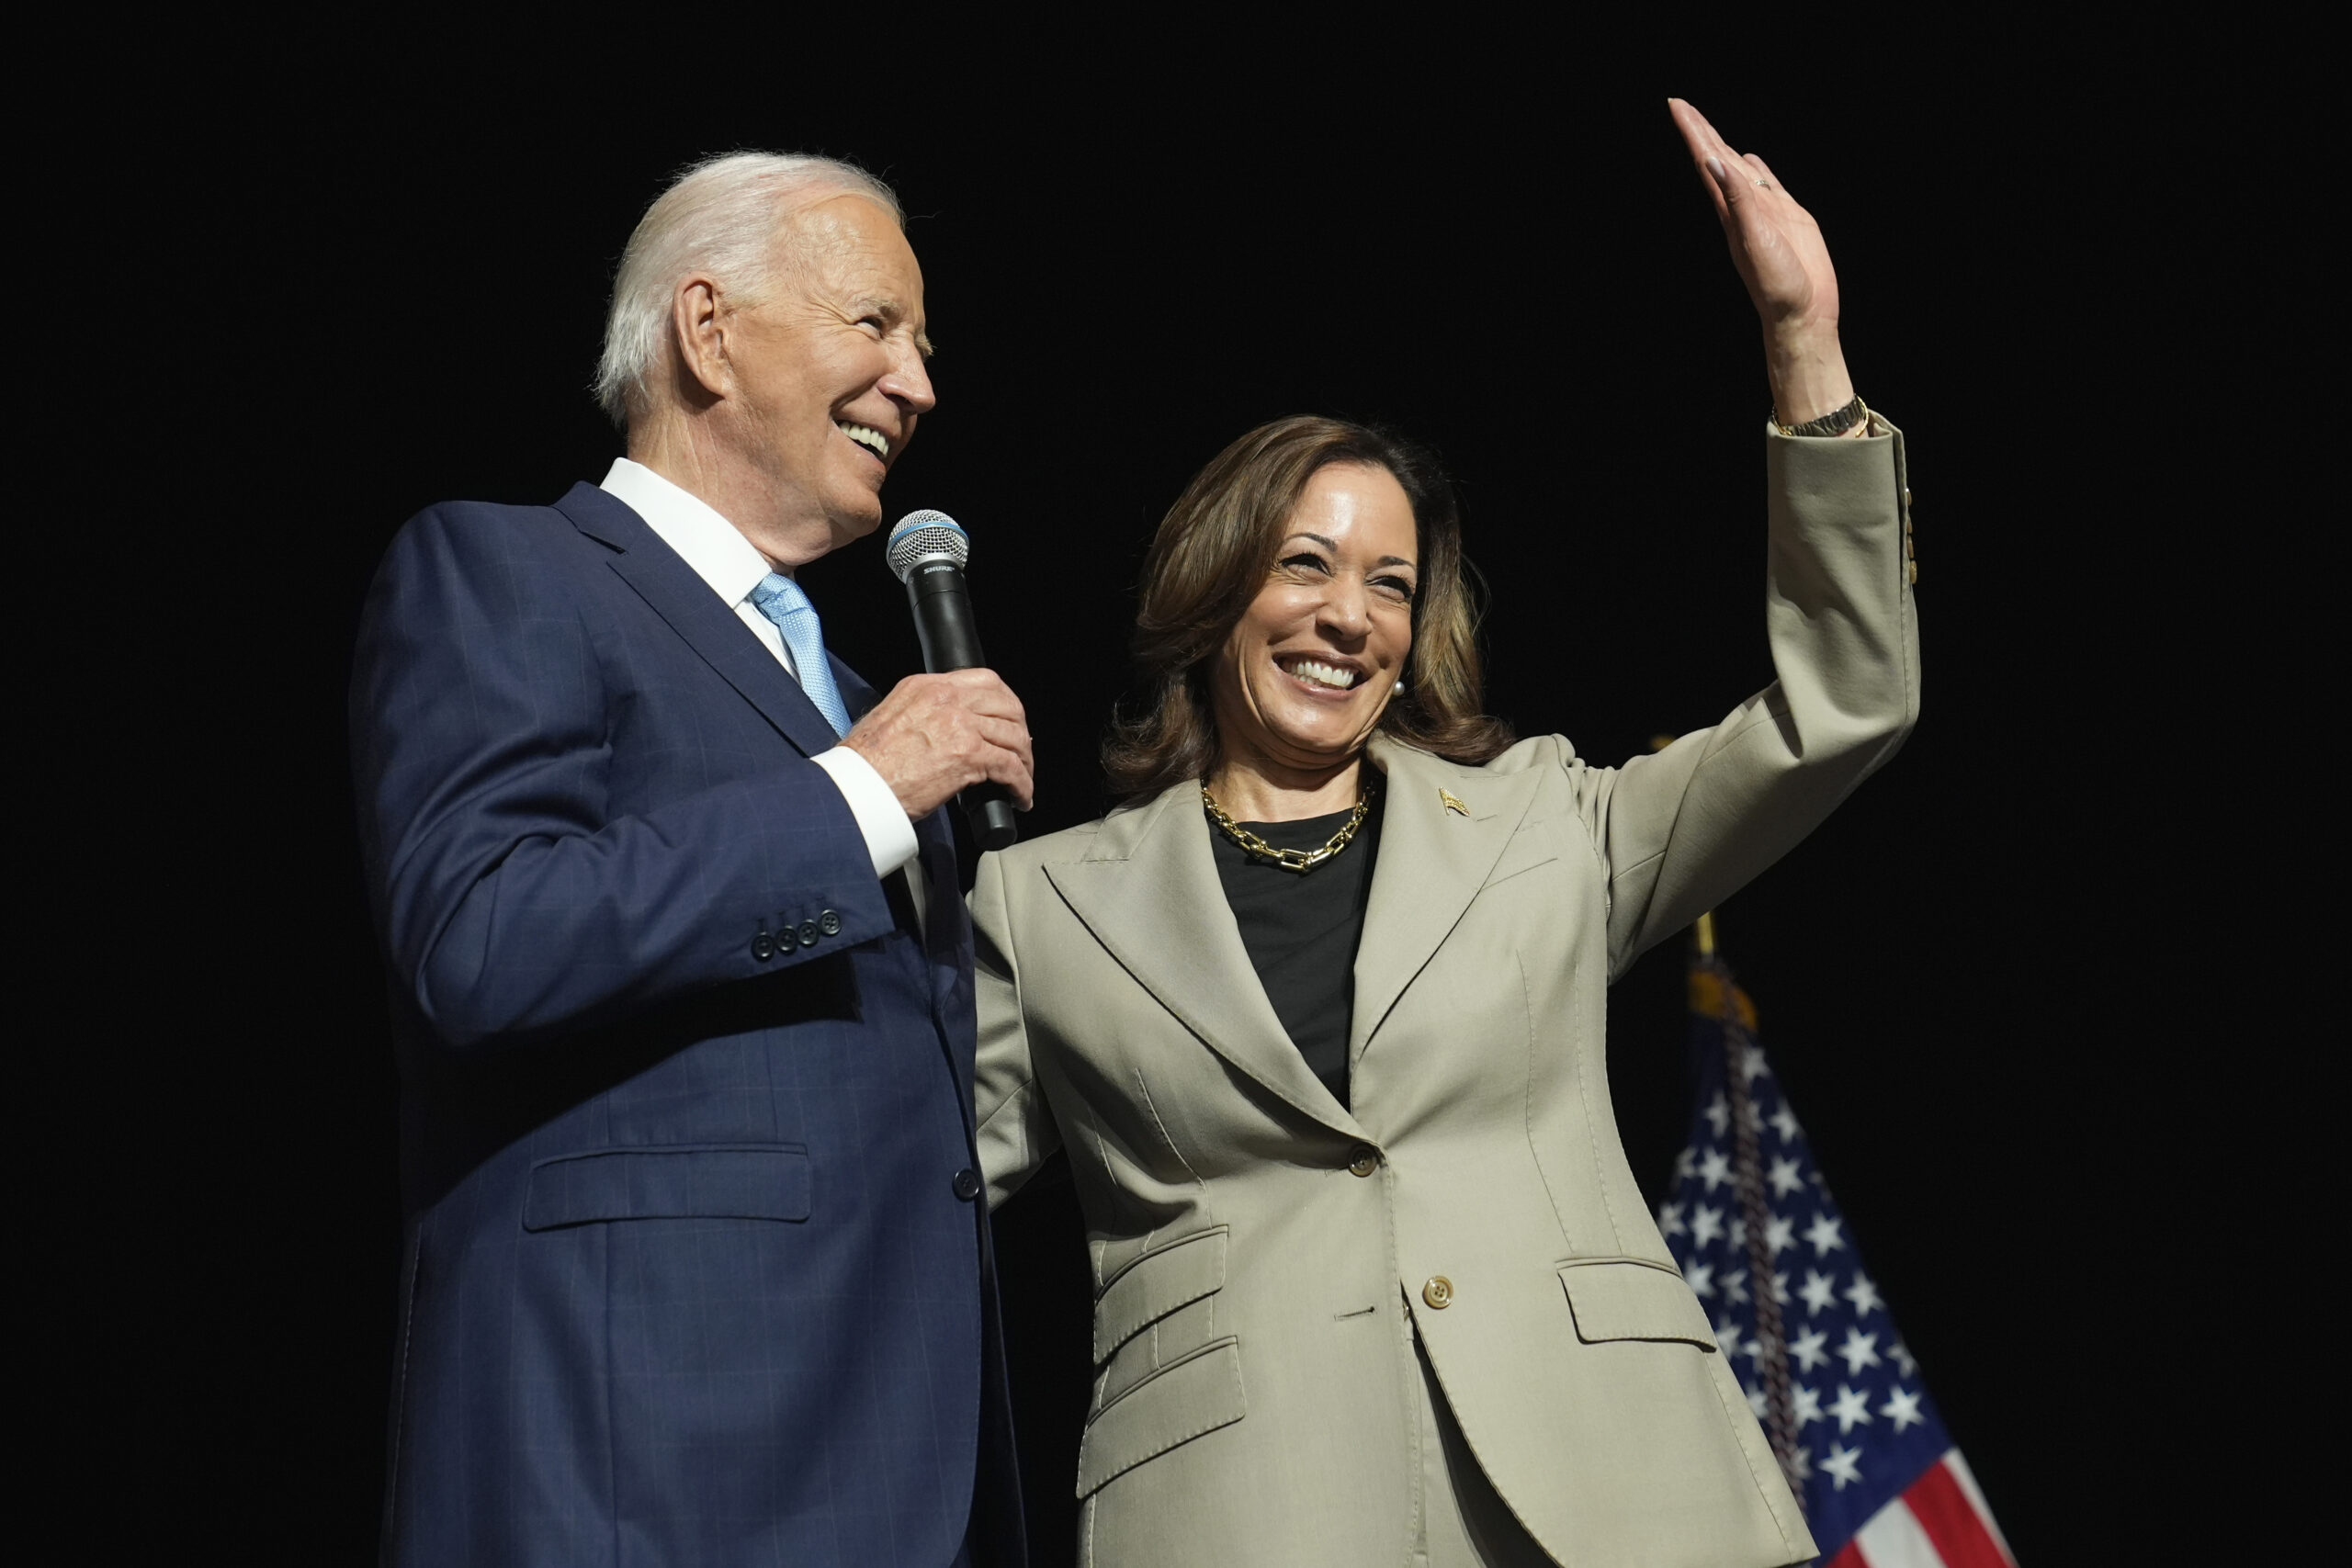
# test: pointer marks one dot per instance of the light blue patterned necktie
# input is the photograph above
(782, 601)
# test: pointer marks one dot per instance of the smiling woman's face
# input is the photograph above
(1306, 672)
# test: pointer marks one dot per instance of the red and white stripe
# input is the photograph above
(1940, 1522)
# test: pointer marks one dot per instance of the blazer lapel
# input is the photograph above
(1433, 860)
(1148, 892)
(666, 582)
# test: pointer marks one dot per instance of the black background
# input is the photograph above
(1980, 982)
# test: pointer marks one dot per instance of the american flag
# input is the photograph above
(1806, 1332)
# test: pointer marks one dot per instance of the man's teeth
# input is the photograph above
(868, 438)
(1322, 675)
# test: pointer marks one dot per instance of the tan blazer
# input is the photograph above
(1257, 1246)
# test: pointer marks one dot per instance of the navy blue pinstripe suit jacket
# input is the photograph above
(689, 1279)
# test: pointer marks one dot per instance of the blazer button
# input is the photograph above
(787, 940)
(1438, 1292)
(1362, 1160)
(808, 934)
(830, 923)
(763, 948)
(967, 1185)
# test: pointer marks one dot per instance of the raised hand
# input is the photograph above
(936, 734)
(1778, 249)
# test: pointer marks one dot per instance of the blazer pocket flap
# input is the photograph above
(1156, 1284)
(765, 1183)
(1175, 1405)
(1621, 1298)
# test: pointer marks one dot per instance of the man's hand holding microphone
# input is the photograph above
(958, 728)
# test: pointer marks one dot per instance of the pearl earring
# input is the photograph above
(1398, 690)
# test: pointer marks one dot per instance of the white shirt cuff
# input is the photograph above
(890, 836)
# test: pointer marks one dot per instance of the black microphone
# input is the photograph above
(927, 551)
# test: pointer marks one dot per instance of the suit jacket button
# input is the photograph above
(786, 940)
(1363, 1159)
(808, 934)
(763, 948)
(1438, 1292)
(967, 1185)
(830, 923)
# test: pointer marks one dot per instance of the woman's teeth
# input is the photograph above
(1322, 675)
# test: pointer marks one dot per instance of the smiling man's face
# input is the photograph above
(829, 369)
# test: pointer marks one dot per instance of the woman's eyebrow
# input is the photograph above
(1333, 545)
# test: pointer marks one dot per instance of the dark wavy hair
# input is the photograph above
(1215, 550)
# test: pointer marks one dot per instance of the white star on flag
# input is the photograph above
(1669, 1219)
(1736, 1286)
(1714, 1170)
(1819, 1290)
(1807, 1349)
(1853, 1408)
(1860, 1350)
(1842, 1465)
(1784, 1122)
(1779, 1234)
(1718, 1114)
(1808, 1402)
(1785, 1177)
(1902, 1354)
(1902, 1408)
(1707, 1224)
(1751, 1063)
(1864, 1296)
(1822, 1233)
(1701, 1277)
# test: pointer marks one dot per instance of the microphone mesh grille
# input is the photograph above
(926, 535)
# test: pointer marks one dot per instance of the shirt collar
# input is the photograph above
(715, 547)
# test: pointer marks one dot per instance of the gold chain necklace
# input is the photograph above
(1289, 860)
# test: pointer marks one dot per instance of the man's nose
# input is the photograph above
(907, 384)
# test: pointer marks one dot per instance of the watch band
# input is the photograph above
(1836, 422)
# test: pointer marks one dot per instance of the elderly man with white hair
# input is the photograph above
(680, 981)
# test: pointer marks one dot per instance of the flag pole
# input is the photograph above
(1771, 1354)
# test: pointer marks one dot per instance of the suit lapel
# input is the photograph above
(1433, 860)
(1148, 892)
(663, 579)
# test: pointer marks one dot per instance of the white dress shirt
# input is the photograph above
(723, 558)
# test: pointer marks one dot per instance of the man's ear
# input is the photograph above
(698, 324)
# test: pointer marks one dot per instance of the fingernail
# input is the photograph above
(1714, 166)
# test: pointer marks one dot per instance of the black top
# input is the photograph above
(1300, 930)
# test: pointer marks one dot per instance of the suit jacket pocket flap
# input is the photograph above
(1169, 1408)
(1156, 1284)
(1622, 1298)
(765, 1183)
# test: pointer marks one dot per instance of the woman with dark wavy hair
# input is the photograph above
(1318, 1013)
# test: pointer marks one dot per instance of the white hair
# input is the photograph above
(722, 217)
